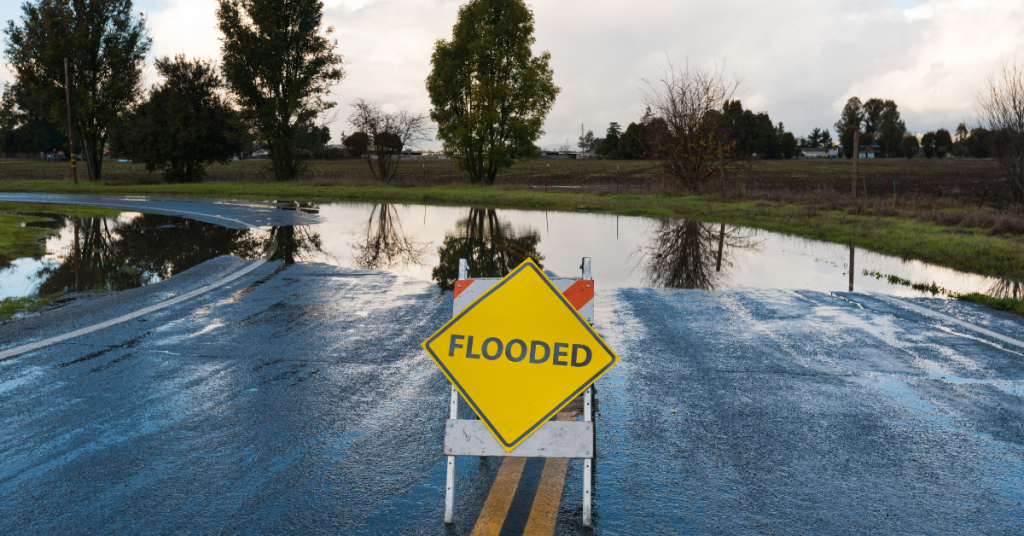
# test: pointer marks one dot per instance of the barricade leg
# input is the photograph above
(449, 491)
(587, 465)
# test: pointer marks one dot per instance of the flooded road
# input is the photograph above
(295, 399)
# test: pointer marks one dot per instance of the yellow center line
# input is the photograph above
(544, 512)
(492, 517)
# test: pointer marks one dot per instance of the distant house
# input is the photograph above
(815, 152)
(868, 151)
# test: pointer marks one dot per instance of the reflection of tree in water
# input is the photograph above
(688, 253)
(122, 254)
(491, 247)
(293, 242)
(385, 245)
(1007, 288)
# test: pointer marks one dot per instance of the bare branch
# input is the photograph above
(389, 134)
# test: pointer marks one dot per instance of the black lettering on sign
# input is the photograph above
(516, 349)
(560, 351)
(488, 355)
(455, 344)
(533, 352)
(522, 352)
(575, 349)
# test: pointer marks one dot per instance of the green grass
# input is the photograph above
(1012, 305)
(17, 241)
(11, 307)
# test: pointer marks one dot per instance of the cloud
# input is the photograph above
(799, 59)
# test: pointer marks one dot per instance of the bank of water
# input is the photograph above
(426, 242)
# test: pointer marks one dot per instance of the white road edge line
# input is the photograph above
(947, 318)
(17, 350)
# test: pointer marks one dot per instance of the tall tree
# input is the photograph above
(909, 146)
(853, 114)
(873, 109)
(928, 144)
(489, 93)
(280, 64)
(185, 125)
(943, 142)
(387, 134)
(891, 129)
(105, 47)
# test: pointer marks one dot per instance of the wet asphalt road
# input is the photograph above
(296, 400)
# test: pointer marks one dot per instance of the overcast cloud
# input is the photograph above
(798, 60)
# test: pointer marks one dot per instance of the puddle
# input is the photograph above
(425, 242)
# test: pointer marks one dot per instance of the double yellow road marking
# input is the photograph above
(544, 512)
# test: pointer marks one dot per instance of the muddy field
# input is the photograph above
(962, 180)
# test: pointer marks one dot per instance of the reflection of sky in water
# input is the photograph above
(751, 258)
(21, 278)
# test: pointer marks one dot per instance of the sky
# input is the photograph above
(797, 60)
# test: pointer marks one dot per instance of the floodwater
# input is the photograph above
(426, 242)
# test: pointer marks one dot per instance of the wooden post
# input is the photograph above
(851, 268)
(721, 167)
(856, 157)
(71, 136)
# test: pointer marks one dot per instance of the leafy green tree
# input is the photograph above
(853, 114)
(610, 142)
(873, 110)
(943, 142)
(24, 131)
(357, 143)
(789, 146)
(492, 247)
(978, 143)
(846, 140)
(587, 142)
(928, 144)
(813, 140)
(489, 94)
(105, 47)
(634, 143)
(185, 125)
(909, 146)
(891, 129)
(826, 139)
(280, 66)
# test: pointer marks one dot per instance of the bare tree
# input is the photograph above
(386, 245)
(686, 106)
(1001, 111)
(388, 134)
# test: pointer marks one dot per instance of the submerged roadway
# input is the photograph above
(254, 397)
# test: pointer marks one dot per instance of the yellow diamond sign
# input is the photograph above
(519, 353)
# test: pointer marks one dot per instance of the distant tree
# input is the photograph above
(610, 142)
(279, 65)
(873, 110)
(389, 133)
(826, 139)
(909, 146)
(928, 144)
(853, 114)
(978, 143)
(1001, 113)
(105, 46)
(687, 103)
(489, 93)
(185, 124)
(587, 142)
(789, 145)
(813, 140)
(943, 142)
(24, 131)
(634, 143)
(847, 140)
(891, 129)
(961, 133)
(358, 143)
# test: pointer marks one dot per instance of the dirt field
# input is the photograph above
(960, 180)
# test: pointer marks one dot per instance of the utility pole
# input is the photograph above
(582, 143)
(71, 136)
(856, 156)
